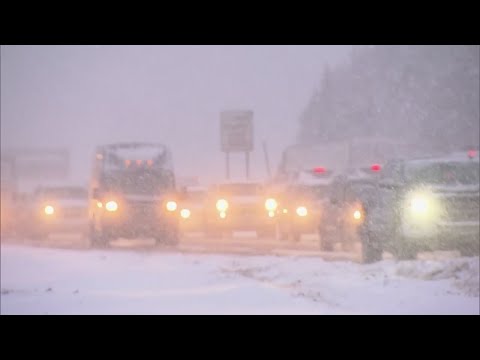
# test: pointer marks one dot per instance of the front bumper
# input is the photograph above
(70, 225)
(464, 236)
(196, 222)
(235, 221)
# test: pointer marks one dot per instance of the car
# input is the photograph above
(351, 195)
(57, 209)
(192, 208)
(240, 205)
(301, 203)
(427, 204)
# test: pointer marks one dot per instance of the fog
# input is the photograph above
(83, 96)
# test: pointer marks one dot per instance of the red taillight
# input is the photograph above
(375, 167)
(472, 154)
(139, 162)
(127, 163)
(319, 170)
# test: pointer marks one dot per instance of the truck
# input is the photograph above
(426, 204)
(132, 194)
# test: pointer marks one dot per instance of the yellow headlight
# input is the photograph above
(302, 211)
(222, 205)
(171, 206)
(357, 214)
(271, 204)
(49, 210)
(185, 213)
(419, 205)
(111, 206)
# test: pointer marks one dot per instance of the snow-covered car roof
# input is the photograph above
(137, 151)
(117, 153)
(241, 182)
(62, 190)
(60, 185)
(452, 157)
(310, 179)
(195, 188)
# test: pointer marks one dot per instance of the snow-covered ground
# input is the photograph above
(54, 281)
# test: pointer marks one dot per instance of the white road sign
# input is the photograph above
(236, 131)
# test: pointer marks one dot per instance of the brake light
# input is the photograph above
(139, 162)
(471, 154)
(319, 170)
(127, 163)
(375, 167)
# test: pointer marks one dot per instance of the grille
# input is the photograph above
(462, 208)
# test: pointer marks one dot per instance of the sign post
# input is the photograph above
(236, 134)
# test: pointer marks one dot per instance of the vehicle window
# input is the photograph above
(444, 173)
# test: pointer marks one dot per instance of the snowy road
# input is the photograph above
(140, 281)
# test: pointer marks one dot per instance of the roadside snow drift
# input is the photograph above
(48, 281)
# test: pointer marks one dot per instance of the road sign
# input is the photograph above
(40, 163)
(236, 131)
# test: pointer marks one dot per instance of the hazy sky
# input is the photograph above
(81, 96)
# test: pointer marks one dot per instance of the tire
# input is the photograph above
(98, 240)
(280, 233)
(403, 249)
(372, 250)
(168, 237)
(325, 245)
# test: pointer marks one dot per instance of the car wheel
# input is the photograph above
(325, 241)
(403, 248)
(372, 250)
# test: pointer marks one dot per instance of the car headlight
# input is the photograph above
(171, 205)
(302, 211)
(111, 206)
(222, 205)
(357, 214)
(419, 205)
(271, 204)
(185, 213)
(49, 210)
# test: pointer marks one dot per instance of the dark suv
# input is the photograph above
(133, 194)
(427, 204)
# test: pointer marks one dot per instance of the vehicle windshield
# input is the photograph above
(196, 196)
(141, 182)
(359, 191)
(448, 173)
